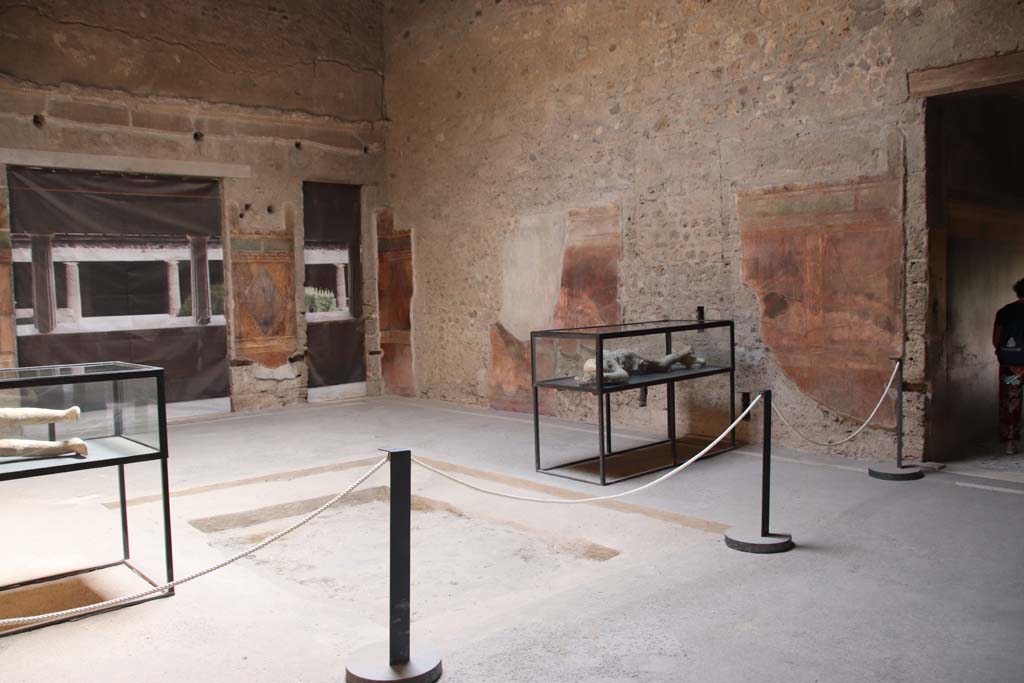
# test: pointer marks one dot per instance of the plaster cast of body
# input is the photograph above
(25, 448)
(619, 364)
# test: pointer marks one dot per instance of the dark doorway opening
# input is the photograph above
(975, 178)
(335, 330)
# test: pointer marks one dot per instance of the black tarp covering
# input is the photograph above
(335, 352)
(60, 202)
(193, 357)
(124, 288)
(121, 212)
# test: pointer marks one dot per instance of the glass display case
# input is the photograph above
(634, 356)
(64, 418)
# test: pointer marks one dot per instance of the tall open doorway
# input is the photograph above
(333, 287)
(975, 167)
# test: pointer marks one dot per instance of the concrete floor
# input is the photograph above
(918, 581)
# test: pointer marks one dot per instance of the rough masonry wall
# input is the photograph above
(672, 111)
(265, 96)
(315, 56)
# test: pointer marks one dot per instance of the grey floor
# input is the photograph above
(917, 581)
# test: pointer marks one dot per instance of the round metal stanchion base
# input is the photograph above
(751, 541)
(370, 665)
(891, 472)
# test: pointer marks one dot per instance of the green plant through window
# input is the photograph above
(320, 300)
(216, 302)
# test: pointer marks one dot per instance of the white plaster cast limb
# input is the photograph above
(37, 416)
(619, 364)
(30, 448)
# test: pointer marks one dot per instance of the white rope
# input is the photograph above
(573, 501)
(177, 582)
(828, 444)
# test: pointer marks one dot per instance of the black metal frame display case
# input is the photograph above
(601, 338)
(123, 421)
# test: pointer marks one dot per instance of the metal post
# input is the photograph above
(761, 540)
(608, 422)
(599, 359)
(165, 484)
(766, 461)
(732, 380)
(899, 415)
(536, 400)
(670, 396)
(897, 472)
(397, 660)
(401, 509)
(536, 428)
(125, 548)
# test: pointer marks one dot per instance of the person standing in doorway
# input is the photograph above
(1008, 338)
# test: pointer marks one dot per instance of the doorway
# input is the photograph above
(333, 288)
(975, 178)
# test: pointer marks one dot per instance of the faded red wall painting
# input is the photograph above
(509, 375)
(262, 266)
(587, 294)
(826, 263)
(395, 289)
(590, 269)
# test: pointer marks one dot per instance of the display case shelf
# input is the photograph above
(635, 381)
(103, 452)
(122, 419)
(652, 340)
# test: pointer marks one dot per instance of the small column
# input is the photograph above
(341, 285)
(173, 289)
(43, 290)
(200, 280)
(74, 288)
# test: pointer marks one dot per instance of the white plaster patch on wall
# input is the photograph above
(532, 273)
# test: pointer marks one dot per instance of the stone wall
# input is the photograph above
(262, 96)
(679, 113)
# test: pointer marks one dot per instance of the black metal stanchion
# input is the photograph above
(888, 470)
(761, 540)
(397, 659)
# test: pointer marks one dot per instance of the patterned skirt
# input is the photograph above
(1011, 389)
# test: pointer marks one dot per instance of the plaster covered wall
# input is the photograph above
(678, 113)
(264, 96)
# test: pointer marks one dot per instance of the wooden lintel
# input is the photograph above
(978, 73)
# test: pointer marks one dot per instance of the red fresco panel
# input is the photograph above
(826, 264)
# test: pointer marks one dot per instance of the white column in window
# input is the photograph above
(74, 289)
(200, 280)
(44, 298)
(341, 285)
(173, 289)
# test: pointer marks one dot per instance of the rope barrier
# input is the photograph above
(828, 444)
(573, 501)
(191, 577)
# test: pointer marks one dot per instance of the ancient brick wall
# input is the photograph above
(261, 96)
(685, 115)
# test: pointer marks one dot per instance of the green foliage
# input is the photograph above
(320, 300)
(216, 302)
